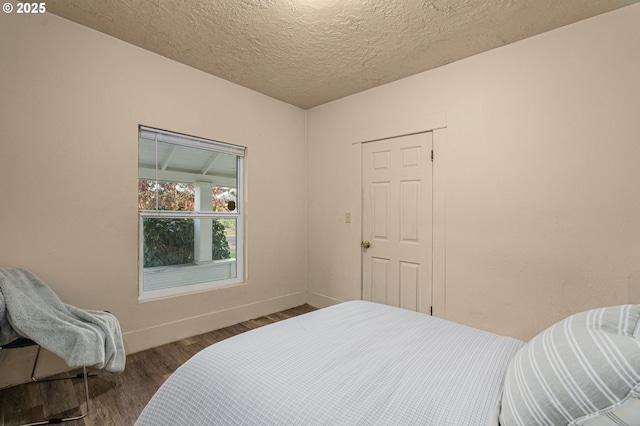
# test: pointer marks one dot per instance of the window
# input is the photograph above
(190, 204)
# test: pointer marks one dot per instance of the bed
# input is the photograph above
(361, 363)
(352, 363)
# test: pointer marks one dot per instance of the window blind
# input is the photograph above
(157, 135)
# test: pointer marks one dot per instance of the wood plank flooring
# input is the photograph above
(117, 400)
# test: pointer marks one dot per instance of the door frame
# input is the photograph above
(436, 124)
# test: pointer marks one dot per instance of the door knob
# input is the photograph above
(366, 244)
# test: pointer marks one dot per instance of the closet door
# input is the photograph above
(397, 221)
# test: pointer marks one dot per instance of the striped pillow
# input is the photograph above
(584, 370)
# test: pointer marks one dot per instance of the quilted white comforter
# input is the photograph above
(356, 363)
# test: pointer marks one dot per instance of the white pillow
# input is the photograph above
(584, 370)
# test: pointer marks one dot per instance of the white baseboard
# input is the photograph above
(139, 340)
(321, 301)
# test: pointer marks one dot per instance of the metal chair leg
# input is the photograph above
(86, 394)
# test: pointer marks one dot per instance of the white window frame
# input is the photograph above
(177, 139)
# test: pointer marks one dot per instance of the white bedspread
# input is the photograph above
(353, 363)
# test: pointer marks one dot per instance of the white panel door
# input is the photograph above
(397, 221)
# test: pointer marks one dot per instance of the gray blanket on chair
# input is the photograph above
(29, 308)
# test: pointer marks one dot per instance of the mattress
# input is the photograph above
(355, 363)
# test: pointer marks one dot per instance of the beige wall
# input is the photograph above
(537, 182)
(70, 104)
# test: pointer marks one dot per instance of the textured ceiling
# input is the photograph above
(309, 52)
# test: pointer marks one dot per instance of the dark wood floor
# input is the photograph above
(117, 400)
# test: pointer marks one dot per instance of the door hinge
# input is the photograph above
(431, 155)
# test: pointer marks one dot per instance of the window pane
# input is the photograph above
(181, 197)
(181, 252)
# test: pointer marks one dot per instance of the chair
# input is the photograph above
(32, 312)
(22, 342)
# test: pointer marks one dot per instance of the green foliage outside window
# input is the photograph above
(171, 241)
